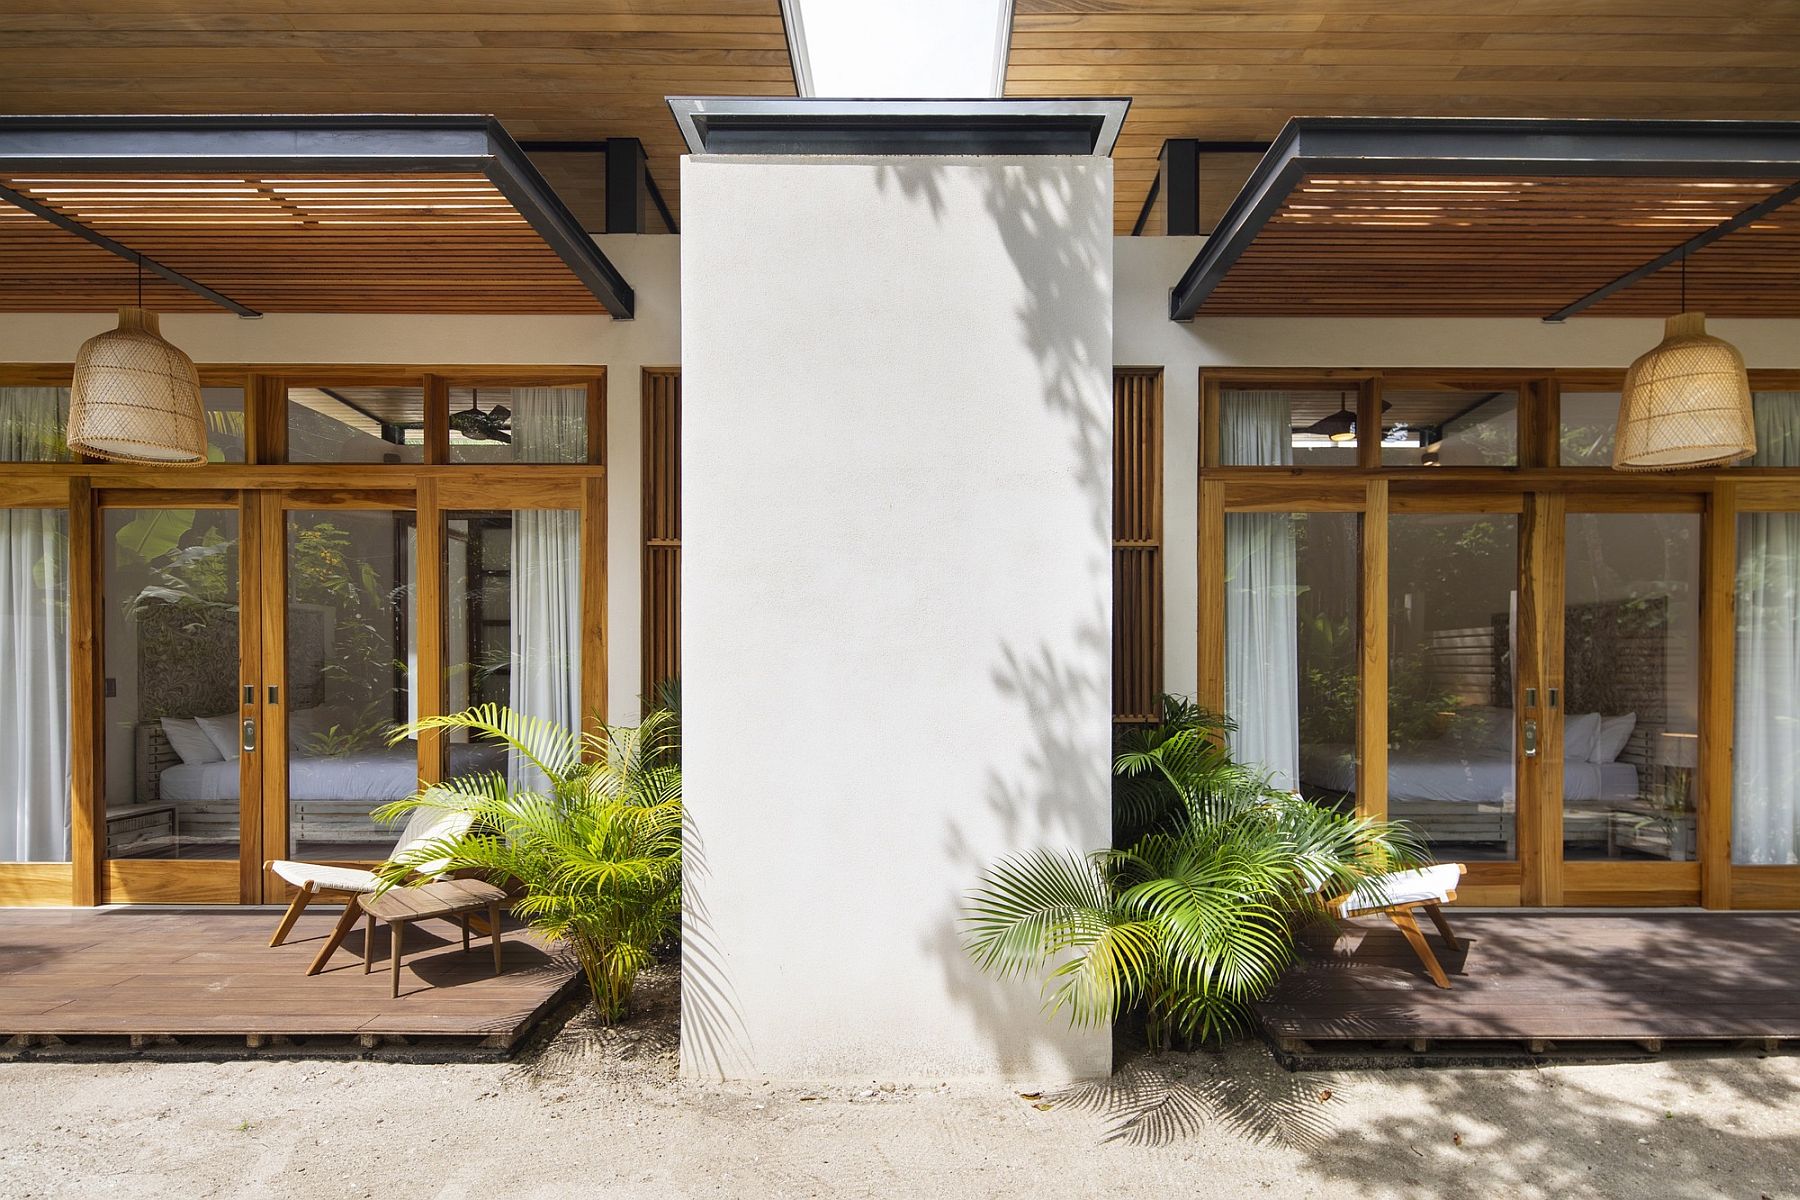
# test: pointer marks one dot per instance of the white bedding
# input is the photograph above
(377, 776)
(1438, 771)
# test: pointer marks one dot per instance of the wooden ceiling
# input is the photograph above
(1381, 245)
(1230, 70)
(313, 243)
(562, 70)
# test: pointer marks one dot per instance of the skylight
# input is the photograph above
(884, 49)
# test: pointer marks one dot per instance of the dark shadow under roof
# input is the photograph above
(266, 213)
(1428, 216)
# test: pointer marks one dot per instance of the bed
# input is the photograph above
(330, 797)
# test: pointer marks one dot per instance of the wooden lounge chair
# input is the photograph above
(353, 883)
(1398, 895)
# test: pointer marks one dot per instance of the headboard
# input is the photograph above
(152, 755)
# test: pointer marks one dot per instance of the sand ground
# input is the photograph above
(597, 1112)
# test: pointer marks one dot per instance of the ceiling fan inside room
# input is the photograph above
(494, 425)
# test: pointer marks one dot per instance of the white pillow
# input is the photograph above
(1614, 733)
(222, 731)
(1579, 736)
(189, 741)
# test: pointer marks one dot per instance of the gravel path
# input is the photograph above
(596, 1112)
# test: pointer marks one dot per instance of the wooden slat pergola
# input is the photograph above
(1425, 216)
(288, 214)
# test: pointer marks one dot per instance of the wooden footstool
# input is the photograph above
(448, 899)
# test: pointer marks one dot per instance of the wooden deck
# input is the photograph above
(1543, 983)
(201, 981)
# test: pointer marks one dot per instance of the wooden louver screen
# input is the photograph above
(662, 528)
(1137, 544)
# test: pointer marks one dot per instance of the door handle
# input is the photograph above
(249, 735)
(1531, 737)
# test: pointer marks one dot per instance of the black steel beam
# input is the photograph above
(1478, 147)
(1706, 237)
(1178, 171)
(763, 125)
(125, 252)
(1143, 217)
(656, 198)
(273, 145)
(625, 190)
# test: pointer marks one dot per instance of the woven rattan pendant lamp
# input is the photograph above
(135, 398)
(1687, 402)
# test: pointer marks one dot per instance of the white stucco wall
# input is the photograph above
(1145, 268)
(651, 339)
(896, 500)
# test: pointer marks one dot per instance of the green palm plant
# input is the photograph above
(1195, 917)
(595, 845)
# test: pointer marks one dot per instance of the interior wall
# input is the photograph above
(896, 411)
(1146, 268)
(624, 348)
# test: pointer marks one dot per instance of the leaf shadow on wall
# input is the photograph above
(1053, 790)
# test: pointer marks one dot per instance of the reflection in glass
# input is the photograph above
(1765, 794)
(1291, 623)
(1428, 426)
(351, 587)
(1270, 428)
(224, 423)
(32, 424)
(1452, 617)
(356, 424)
(170, 600)
(1589, 421)
(1630, 700)
(512, 634)
(518, 424)
(34, 689)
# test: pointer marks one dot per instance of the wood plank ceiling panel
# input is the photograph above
(1231, 70)
(560, 70)
(315, 243)
(1376, 245)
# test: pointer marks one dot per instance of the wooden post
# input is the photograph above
(1372, 695)
(87, 741)
(429, 686)
(1211, 629)
(1718, 682)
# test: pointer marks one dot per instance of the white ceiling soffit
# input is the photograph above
(885, 49)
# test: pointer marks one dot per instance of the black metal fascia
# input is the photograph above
(271, 144)
(511, 172)
(1481, 146)
(819, 126)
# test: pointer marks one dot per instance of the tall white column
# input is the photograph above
(896, 595)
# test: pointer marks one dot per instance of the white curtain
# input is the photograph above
(34, 644)
(1261, 652)
(1765, 777)
(549, 425)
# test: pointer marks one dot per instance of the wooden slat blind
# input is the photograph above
(1137, 543)
(662, 527)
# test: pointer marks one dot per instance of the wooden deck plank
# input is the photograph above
(1549, 976)
(112, 973)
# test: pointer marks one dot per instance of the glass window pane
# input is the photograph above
(518, 424)
(1589, 421)
(1765, 802)
(1426, 426)
(34, 689)
(1631, 638)
(1291, 628)
(32, 424)
(1269, 428)
(224, 423)
(1452, 603)
(1777, 417)
(512, 633)
(356, 424)
(170, 599)
(351, 588)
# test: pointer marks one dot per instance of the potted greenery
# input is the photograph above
(1192, 917)
(593, 851)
